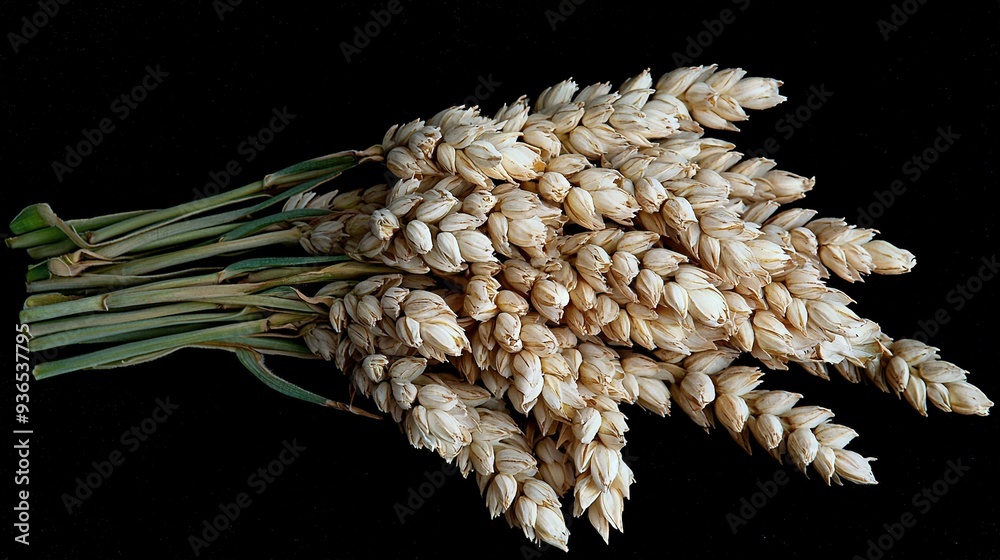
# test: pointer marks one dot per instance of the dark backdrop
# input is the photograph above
(889, 89)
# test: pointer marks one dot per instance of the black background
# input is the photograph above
(889, 97)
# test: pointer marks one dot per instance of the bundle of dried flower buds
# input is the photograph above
(534, 271)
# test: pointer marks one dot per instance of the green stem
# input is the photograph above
(118, 354)
(151, 264)
(49, 234)
(177, 211)
(44, 328)
(90, 334)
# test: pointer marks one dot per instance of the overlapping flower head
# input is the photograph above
(595, 251)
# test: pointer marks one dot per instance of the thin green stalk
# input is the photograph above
(151, 264)
(180, 210)
(44, 328)
(133, 328)
(49, 234)
(119, 354)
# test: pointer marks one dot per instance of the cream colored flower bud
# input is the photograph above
(853, 467)
(401, 163)
(771, 334)
(383, 224)
(500, 494)
(520, 275)
(507, 331)
(676, 297)
(966, 398)
(554, 96)
(802, 447)
(446, 255)
(649, 287)
(408, 331)
(551, 527)
(567, 117)
(483, 154)
(708, 306)
(513, 461)
(479, 204)
(806, 417)
(738, 380)
(459, 221)
(699, 389)
(916, 394)
(404, 393)
(774, 402)
(422, 305)
(663, 261)
(604, 466)
(419, 236)
(474, 246)
(549, 298)
(480, 294)
(677, 81)
(721, 223)
(888, 258)
(553, 186)
(406, 370)
(526, 511)
(825, 463)
(568, 164)
(437, 396)
(913, 351)
(731, 411)
(938, 371)
(511, 302)
(678, 213)
(579, 207)
(650, 194)
(482, 457)
(538, 339)
(797, 315)
(615, 204)
(768, 431)
(757, 93)
(586, 423)
(523, 162)
(778, 298)
(527, 233)
(436, 205)
(897, 374)
(937, 393)
(835, 436)
(375, 366)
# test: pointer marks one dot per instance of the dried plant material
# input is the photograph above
(527, 281)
